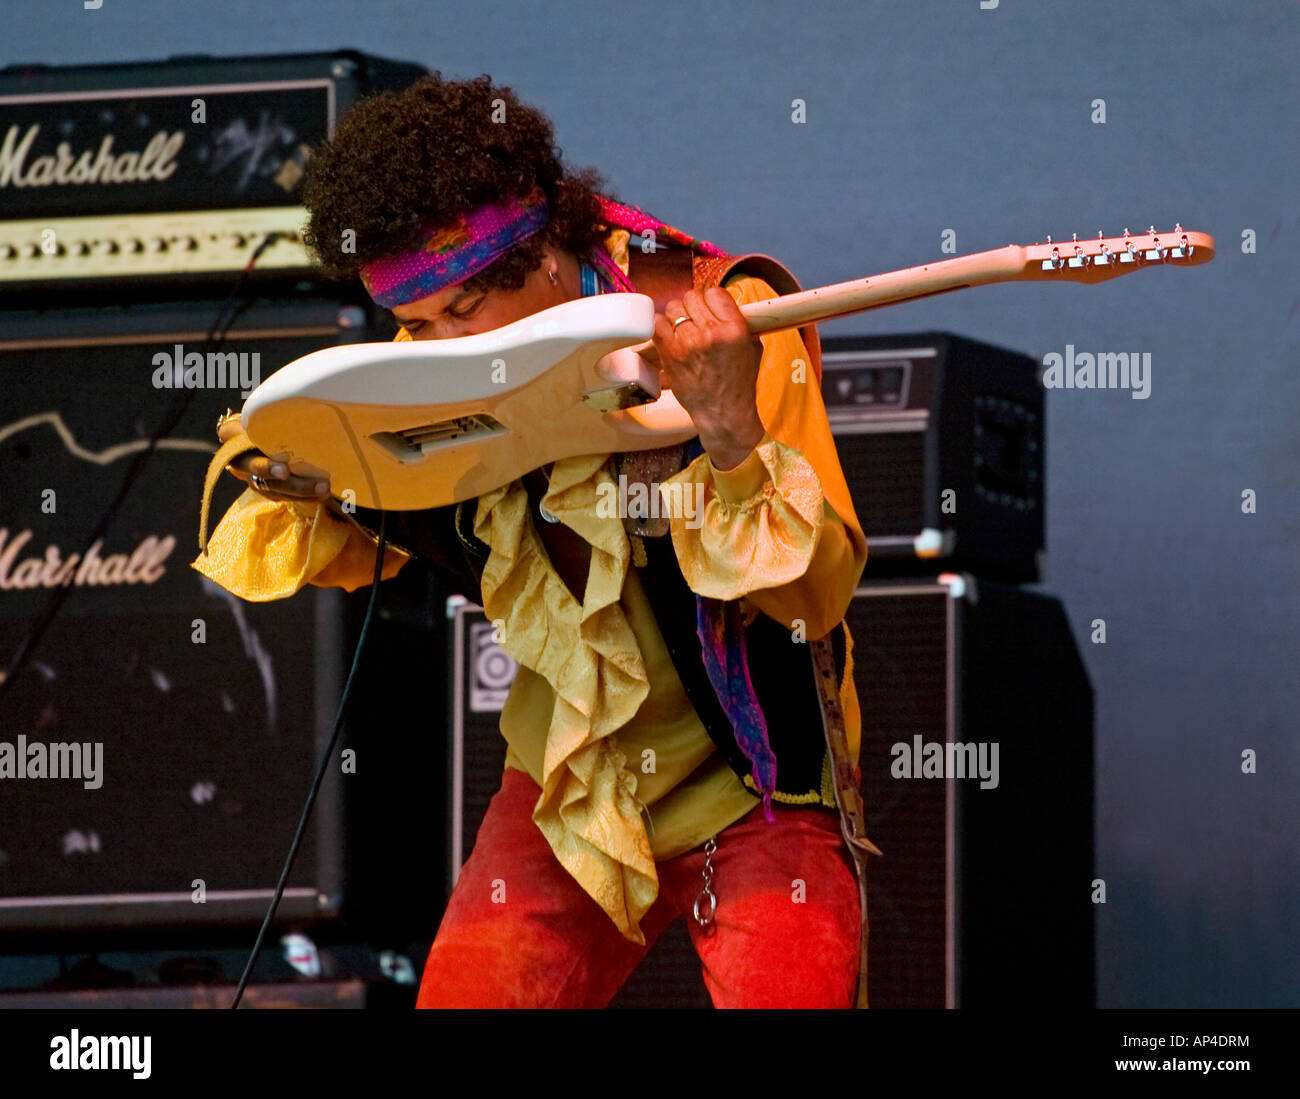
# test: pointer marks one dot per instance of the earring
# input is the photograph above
(554, 281)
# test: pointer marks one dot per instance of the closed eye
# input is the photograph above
(415, 325)
(467, 312)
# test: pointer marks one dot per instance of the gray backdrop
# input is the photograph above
(933, 115)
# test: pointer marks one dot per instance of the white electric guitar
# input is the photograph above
(426, 423)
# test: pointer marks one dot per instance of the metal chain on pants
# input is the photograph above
(705, 918)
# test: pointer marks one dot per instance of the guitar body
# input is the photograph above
(421, 424)
(427, 423)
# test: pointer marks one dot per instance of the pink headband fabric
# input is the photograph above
(636, 220)
(453, 253)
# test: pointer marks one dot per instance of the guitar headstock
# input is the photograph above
(1108, 257)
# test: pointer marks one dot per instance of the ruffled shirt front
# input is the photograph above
(597, 715)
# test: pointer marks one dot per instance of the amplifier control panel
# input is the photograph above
(45, 251)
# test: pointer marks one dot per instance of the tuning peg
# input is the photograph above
(1078, 259)
(1055, 263)
(1131, 254)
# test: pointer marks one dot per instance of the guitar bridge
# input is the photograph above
(413, 443)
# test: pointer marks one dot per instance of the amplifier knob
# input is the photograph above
(8, 251)
(106, 247)
(29, 251)
(187, 244)
(132, 245)
(236, 240)
(78, 248)
(156, 244)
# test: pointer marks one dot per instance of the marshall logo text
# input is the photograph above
(157, 161)
(144, 566)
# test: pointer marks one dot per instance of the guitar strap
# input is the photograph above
(848, 792)
(664, 275)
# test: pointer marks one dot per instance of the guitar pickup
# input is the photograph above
(413, 443)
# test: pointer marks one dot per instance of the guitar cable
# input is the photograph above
(326, 755)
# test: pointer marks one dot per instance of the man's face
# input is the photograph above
(455, 311)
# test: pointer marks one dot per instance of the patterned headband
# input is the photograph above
(453, 253)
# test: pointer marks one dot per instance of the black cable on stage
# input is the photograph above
(320, 770)
(216, 336)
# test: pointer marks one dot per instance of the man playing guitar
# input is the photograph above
(618, 809)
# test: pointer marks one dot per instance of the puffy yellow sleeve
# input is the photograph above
(270, 549)
(779, 529)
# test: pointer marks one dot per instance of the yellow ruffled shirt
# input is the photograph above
(597, 715)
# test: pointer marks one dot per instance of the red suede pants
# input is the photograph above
(520, 932)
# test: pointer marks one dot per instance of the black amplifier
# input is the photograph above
(155, 752)
(166, 171)
(941, 440)
(974, 671)
(977, 778)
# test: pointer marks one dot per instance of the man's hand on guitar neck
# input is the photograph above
(277, 482)
(710, 361)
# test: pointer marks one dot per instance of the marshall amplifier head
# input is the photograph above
(166, 171)
(941, 440)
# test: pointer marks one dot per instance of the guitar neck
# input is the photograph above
(858, 295)
(1087, 261)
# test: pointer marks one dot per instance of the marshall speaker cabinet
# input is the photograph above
(164, 735)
